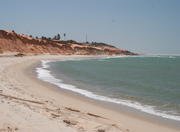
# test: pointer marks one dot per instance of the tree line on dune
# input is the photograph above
(59, 37)
(56, 37)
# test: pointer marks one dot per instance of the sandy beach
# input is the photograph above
(31, 105)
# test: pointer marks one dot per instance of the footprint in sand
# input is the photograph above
(8, 128)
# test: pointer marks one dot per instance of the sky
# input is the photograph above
(141, 26)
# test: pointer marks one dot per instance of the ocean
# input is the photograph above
(150, 84)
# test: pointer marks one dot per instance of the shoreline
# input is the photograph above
(44, 91)
(69, 86)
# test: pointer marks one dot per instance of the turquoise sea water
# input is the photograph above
(149, 84)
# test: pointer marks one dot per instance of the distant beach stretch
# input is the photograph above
(90, 66)
(29, 104)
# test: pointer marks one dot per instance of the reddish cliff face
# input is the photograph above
(11, 41)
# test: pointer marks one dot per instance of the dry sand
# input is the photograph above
(30, 105)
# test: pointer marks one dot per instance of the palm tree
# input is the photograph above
(58, 37)
(64, 35)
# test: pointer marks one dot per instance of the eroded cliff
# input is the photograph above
(13, 42)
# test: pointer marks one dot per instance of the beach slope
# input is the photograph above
(28, 104)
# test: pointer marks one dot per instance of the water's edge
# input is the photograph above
(45, 75)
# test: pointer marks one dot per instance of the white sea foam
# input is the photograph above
(139, 56)
(172, 57)
(44, 74)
